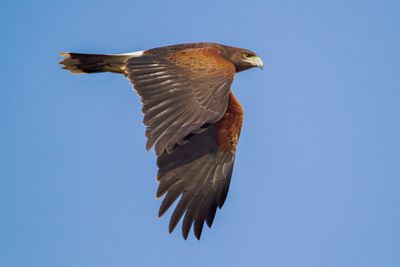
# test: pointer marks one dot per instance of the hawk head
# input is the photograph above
(243, 59)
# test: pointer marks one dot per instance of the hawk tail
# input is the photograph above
(93, 63)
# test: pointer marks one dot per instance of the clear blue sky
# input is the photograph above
(317, 175)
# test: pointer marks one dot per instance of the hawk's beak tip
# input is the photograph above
(261, 66)
(259, 63)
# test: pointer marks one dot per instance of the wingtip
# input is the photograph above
(198, 228)
(209, 222)
(185, 231)
(160, 213)
(198, 236)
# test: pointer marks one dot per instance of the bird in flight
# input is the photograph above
(193, 119)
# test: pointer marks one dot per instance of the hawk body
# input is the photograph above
(193, 119)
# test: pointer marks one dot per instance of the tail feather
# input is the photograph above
(93, 63)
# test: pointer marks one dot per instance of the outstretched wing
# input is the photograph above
(200, 170)
(181, 90)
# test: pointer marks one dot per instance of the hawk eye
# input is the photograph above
(246, 55)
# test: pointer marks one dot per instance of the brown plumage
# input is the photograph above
(193, 119)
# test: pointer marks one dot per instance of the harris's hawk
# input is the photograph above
(193, 119)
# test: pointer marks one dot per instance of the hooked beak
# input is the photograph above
(256, 62)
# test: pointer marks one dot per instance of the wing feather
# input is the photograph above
(196, 81)
(200, 171)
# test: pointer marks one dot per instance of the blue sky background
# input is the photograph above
(316, 179)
